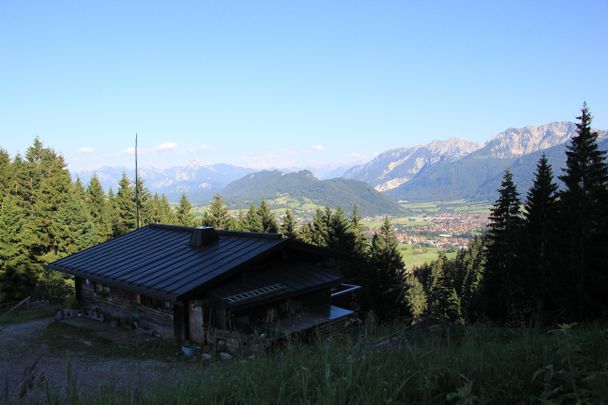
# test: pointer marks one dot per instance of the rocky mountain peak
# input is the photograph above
(397, 166)
(515, 142)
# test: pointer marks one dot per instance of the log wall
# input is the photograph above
(124, 305)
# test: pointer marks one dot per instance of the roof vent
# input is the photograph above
(202, 236)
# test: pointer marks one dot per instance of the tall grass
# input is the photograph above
(432, 365)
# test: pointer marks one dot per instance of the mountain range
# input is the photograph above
(442, 170)
(477, 175)
(197, 180)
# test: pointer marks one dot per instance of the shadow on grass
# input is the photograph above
(61, 337)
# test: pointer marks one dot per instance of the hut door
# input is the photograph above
(196, 319)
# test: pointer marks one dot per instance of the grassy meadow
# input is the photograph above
(416, 256)
(436, 207)
(426, 364)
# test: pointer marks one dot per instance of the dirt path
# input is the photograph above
(21, 346)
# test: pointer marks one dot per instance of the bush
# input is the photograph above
(54, 286)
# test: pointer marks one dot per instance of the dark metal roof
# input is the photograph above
(158, 260)
(294, 277)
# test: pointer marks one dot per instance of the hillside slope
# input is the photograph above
(302, 185)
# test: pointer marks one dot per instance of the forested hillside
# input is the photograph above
(343, 193)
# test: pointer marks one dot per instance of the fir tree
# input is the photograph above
(5, 179)
(289, 227)
(340, 236)
(386, 275)
(18, 268)
(269, 222)
(583, 212)
(240, 222)
(252, 221)
(472, 261)
(361, 243)
(77, 228)
(160, 211)
(539, 231)
(21, 183)
(444, 302)
(52, 191)
(165, 213)
(305, 234)
(217, 215)
(415, 297)
(184, 213)
(98, 208)
(143, 198)
(78, 188)
(124, 206)
(321, 222)
(502, 278)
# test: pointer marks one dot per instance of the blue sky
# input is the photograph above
(284, 83)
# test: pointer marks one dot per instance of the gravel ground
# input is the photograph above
(21, 346)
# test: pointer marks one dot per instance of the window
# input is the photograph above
(155, 303)
(102, 290)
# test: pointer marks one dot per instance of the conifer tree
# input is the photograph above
(321, 222)
(252, 222)
(5, 163)
(305, 234)
(444, 302)
(472, 260)
(415, 297)
(217, 215)
(269, 222)
(18, 268)
(124, 207)
(20, 183)
(289, 227)
(502, 279)
(240, 222)
(361, 243)
(166, 214)
(154, 209)
(111, 207)
(386, 275)
(143, 200)
(159, 210)
(98, 208)
(583, 210)
(77, 228)
(233, 224)
(539, 231)
(340, 236)
(52, 190)
(78, 188)
(184, 213)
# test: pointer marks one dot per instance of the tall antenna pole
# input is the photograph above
(136, 188)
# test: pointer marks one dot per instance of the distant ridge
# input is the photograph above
(338, 192)
(197, 180)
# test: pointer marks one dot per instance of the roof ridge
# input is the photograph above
(182, 228)
(250, 234)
